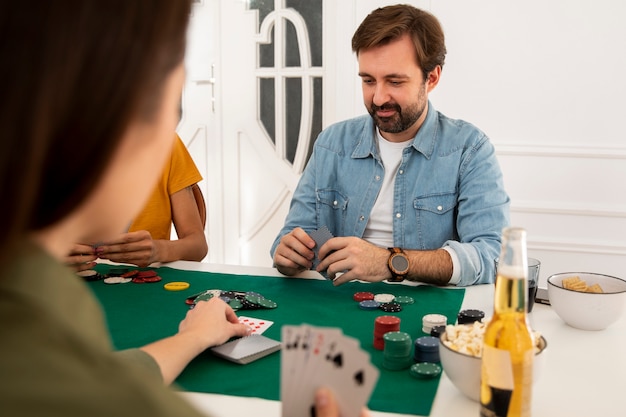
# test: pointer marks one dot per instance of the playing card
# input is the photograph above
(320, 236)
(258, 326)
(292, 339)
(327, 358)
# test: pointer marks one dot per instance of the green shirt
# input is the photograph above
(56, 356)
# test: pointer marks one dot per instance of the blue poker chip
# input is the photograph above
(225, 299)
(369, 305)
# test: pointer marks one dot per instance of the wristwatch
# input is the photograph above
(398, 264)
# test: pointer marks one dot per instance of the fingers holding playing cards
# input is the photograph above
(326, 404)
(315, 357)
(294, 253)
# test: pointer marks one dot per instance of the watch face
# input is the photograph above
(400, 263)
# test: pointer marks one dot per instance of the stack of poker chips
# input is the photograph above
(426, 349)
(383, 325)
(431, 320)
(470, 316)
(397, 351)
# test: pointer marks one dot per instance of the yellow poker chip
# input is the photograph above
(176, 286)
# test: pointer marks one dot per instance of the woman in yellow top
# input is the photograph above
(148, 237)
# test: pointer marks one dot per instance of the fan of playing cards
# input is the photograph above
(315, 356)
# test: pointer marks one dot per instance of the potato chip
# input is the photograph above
(577, 284)
(595, 288)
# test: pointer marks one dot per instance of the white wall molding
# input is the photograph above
(560, 151)
(567, 209)
(576, 246)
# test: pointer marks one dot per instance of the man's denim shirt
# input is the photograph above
(448, 190)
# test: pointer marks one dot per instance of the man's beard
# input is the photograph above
(400, 121)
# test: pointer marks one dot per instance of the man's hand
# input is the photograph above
(294, 253)
(353, 258)
(137, 248)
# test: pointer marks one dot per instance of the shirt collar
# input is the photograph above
(423, 142)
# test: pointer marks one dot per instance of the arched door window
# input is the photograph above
(290, 75)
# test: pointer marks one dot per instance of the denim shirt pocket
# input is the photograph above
(436, 219)
(331, 206)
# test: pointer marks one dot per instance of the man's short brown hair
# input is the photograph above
(389, 23)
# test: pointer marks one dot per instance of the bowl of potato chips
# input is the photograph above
(586, 300)
(460, 352)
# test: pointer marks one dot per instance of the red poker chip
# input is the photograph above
(387, 320)
(130, 273)
(362, 296)
(155, 278)
(138, 280)
(146, 274)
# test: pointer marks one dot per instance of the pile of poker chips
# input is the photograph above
(426, 349)
(397, 351)
(383, 325)
(386, 302)
(469, 316)
(237, 300)
(121, 276)
(429, 321)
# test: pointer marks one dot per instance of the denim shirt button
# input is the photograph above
(377, 177)
(361, 218)
(335, 203)
(398, 215)
(401, 172)
(439, 208)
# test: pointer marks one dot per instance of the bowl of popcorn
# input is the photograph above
(460, 352)
(587, 301)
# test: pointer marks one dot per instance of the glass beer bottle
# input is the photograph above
(508, 348)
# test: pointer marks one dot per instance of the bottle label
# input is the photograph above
(497, 374)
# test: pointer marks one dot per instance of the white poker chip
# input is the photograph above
(431, 320)
(384, 298)
(117, 280)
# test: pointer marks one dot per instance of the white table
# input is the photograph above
(582, 376)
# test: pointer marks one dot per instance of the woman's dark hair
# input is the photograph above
(75, 73)
(386, 24)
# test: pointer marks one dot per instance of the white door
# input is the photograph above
(252, 108)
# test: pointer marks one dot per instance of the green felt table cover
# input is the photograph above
(138, 314)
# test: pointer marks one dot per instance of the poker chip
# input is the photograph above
(362, 296)
(176, 286)
(146, 274)
(369, 305)
(437, 331)
(431, 320)
(265, 303)
(383, 325)
(397, 351)
(425, 370)
(470, 316)
(404, 299)
(384, 298)
(138, 280)
(392, 307)
(205, 296)
(151, 279)
(426, 349)
(235, 304)
(90, 275)
(117, 280)
(225, 299)
(131, 273)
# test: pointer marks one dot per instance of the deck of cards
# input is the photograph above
(319, 356)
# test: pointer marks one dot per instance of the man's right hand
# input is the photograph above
(294, 253)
